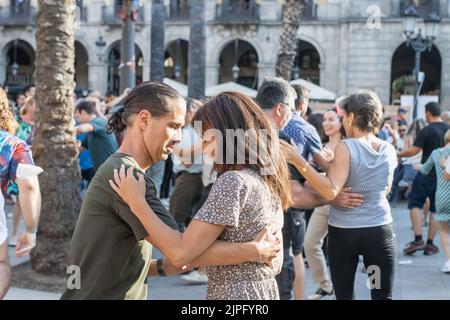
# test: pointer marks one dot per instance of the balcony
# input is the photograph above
(81, 14)
(110, 15)
(237, 12)
(310, 11)
(9, 16)
(424, 8)
(179, 13)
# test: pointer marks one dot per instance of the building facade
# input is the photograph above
(343, 45)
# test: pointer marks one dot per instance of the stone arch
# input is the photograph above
(246, 57)
(402, 66)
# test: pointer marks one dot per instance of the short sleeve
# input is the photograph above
(125, 213)
(21, 154)
(158, 208)
(225, 201)
(98, 127)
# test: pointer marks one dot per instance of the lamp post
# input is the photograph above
(100, 44)
(177, 68)
(15, 65)
(128, 14)
(235, 70)
(420, 41)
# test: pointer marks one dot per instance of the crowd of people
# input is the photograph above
(243, 213)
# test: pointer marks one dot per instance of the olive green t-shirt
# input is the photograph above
(108, 244)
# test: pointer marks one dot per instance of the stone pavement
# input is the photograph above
(416, 277)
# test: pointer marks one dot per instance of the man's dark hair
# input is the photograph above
(18, 95)
(27, 88)
(85, 106)
(302, 94)
(274, 91)
(434, 108)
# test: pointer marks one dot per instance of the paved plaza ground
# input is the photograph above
(416, 277)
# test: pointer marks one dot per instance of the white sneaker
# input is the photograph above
(446, 267)
(195, 277)
(321, 293)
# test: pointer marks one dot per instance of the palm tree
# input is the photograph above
(196, 56)
(157, 41)
(292, 14)
(54, 145)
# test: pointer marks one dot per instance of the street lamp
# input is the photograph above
(177, 68)
(100, 44)
(128, 14)
(235, 69)
(15, 65)
(420, 41)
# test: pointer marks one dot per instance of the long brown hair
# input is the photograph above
(231, 112)
(7, 120)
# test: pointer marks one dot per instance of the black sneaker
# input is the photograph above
(321, 293)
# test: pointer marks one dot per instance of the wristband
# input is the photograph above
(159, 267)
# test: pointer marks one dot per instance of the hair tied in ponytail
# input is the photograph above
(117, 123)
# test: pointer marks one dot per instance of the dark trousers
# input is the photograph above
(186, 192)
(285, 279)
(376, 245)
(167, 182)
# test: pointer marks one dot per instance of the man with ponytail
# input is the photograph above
(110, 246)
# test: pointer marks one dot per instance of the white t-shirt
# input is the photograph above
(3, 228)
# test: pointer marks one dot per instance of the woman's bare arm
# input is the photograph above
(328, 186)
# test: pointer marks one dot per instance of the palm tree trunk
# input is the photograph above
(292, 14)
(54, 145)
(157, 41)
(197, 51)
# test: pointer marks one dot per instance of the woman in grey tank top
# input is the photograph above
(365, 164)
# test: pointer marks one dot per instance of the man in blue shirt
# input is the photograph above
(304, 134)
(98, 141)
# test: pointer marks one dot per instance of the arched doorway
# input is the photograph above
(81, 66)
(402, 80)
(307, 63)
(114, 63)
(243, 54)
(176, 61)
(20, 58)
